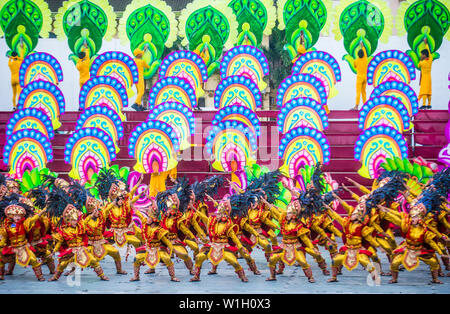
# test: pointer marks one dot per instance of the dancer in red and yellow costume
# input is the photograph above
(119, 220)
(157, 247)
(295, 240)
(17, 220)
(223, 243)
(175, 202)
(71, 239)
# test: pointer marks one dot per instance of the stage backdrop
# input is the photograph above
(344, 100)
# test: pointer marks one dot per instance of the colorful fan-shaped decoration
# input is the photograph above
(45, 96)
(179, 117)
(419, 173)
(103, 118)
(187, 65)
(364, 22)
(30, 118)
(307, 18)
(231, 141)
(25, 150)
(384, 110)
(300, 147)
(255, 18)
(207, 27)
(323, 66)
(85, 23)
(23, 22)
(239, 113)
(143, 202)
(422, 19)
(104, 91)
(246, 61)
(118, 65)
(390, 65)
(375, 145)
(173, 89)
(399, 90)
(301, 85)
(302, 112)
(154, 144)
(237, 90)
(40, 66)
(88, 150)
(150, 25)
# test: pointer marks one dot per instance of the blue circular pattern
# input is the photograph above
(94, 132)
(27, 133)
(148, 125)
(40, 56)
(243, 49)
(30, 112)
(388, 54)
(172, 80)
(305, 131)
(402, 87)
(321, 55)
(183, 54)
(294, 104)
(241, 110)
(384, 100)
(377, 130)
(115, 55)
(183, 109)
(295, 78)
(50, 87)
(237, 79)
(103, 110)
(106, 80)
(230, 124)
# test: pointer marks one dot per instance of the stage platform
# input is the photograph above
(426, 139)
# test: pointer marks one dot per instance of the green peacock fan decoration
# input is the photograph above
(303, 17)
(22, 22)
(151, 25)
(423, 19)
(207, 27)
(35, 178)
(419, 174)
(255, 18)
(362, 21)
(85, 22)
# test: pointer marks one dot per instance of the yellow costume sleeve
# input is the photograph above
(367, 234)
(429, 239)
(234, 238)
(335, 216)
(185, 230)
(3, 238)
(167, 243)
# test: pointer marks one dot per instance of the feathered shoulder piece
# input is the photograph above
(161, 200)
(39, 196)
(105, 181)
(183, 191)
(57, 202)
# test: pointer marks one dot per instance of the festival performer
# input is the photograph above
(94, 221)
(84, 64)
(71, 238)
(295, 239)
(119, 220)
(141, 65)
(40, 237)
(157, 247)
(14, 63)
(244, 231)
(420, 244)
(300, 44)
(173, 203)
(356, 230)
(360, 64)
(223, 240)
(17, 220)
(426, 61)
(158, 179)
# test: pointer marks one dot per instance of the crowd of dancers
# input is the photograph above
(64, 219)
